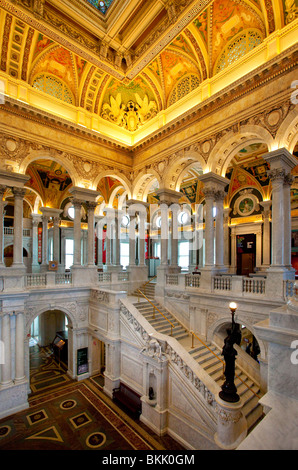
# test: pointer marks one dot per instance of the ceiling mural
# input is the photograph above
(96, 73)
(50, 180)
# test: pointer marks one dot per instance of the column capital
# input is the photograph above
(220, 195)
(277, 175)
(84, 194)
(18, 192)
(281, 158)
(2, 190)
(91, 205)
(266, 206)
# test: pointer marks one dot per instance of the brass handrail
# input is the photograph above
(149, 281)
(221, 360)
(155, 308)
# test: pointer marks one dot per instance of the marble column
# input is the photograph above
(132, 240)
(77, 204)
(209, 227)
(226, 229)
(2, 205)
(44, 262)
(20, 352)
(108, 239)
(164, 235)
(91, 232)
(174, 234)
(36, 219)
(99, 234)
(56, 239)
(281, 163)
(142, 237)
(219, 230)
(266, 242)
(117, 238)
(277, 181)
(19, 194)
(288, 180)
(6, 379)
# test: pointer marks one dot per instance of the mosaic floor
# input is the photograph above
(69, 415)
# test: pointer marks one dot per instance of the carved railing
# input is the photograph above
(192, 280)
(222, 283)
(104, 277)
(290, 289)
(253, 285)
(123, 276)
(172, 279)
(160, 346)
(35, 280)
(63, 278)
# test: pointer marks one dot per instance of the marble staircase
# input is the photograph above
(208, 355)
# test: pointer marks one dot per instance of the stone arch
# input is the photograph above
(231, 143)
(143, 183)
(121, 198)
(48, 155)
(32, 312)
(113, 174)
(184, 170)
(215, 327)
(189, 158)
(38, 198)
(287, 134)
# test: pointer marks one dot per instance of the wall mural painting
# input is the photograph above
(201, 22)
(41, 44)
(190, 191)
(229, 19)
(50, 180)
(58, 62)
(174, 68)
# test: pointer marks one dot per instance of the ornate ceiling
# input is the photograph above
(129, 61)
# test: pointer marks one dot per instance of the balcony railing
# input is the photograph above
(10, 231)
(104, 277)
(36, 280)
(222, 283)
(253, 285)
(192, 280)
(172, 279)
(63, 278)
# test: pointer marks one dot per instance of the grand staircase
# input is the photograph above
(206, 354)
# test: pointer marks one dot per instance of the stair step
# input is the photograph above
(203, 354)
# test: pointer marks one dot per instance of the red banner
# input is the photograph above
(39, 244)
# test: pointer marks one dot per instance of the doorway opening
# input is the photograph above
(50, 351)
(246, 254)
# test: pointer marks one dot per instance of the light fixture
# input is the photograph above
(233, 307)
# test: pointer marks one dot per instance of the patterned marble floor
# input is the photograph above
(69, 415)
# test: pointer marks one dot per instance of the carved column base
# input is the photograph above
(231, 424)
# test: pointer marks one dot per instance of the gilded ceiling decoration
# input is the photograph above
(105, 70)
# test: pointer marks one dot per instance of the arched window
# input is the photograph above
(53, 86)
(183, 87)
(238, 47)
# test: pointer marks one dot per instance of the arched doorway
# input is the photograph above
(248, 349)
(50, 351)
